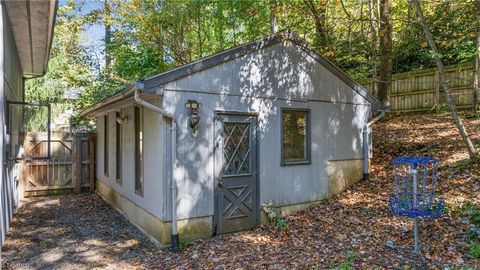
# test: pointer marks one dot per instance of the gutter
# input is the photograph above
(367, 129)
(175, 240)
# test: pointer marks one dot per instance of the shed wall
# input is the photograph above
(263, 82)
(154, 152)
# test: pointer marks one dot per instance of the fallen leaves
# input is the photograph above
(354, 228)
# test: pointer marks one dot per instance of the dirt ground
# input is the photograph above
(355, 229)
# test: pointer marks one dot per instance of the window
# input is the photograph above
(118, 150)
(139, 150)
(105, 145)
(295, 136)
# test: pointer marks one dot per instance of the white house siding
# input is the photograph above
(154, 144)
(265, 81)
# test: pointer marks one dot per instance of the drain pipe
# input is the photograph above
(366, 144)
(173, 186)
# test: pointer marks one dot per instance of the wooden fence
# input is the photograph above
(421, 91)
(71, 166)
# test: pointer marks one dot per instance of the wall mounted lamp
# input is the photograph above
(122, 119)
(194, 120)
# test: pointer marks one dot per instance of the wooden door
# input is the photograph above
(237, 184)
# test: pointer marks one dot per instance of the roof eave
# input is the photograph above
(123, 98)
(94, 109)
(32, 24)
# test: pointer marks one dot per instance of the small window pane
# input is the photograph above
(236, 137)
(139, 150)
(105, 145)
(118, 149)
(295, 136)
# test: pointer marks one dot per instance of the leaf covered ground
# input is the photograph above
(354, 229)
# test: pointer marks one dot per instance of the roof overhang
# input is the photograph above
(32, 25)
(119, 100)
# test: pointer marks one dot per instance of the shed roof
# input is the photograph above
(154, 84)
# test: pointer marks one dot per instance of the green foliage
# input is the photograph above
(473, 212)
(149, 37)
(465, 165)
(400, 146)
(281, 224)
(275, 216)
(441, 108)
(184, 243)
(36, 118)
(345, 265)
(474, 250)
(74, 79)
(154, 36)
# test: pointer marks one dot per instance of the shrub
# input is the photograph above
(474, 250)
(345, 265)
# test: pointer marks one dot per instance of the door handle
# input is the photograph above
(220, 183)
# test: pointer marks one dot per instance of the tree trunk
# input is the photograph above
(273, 17)
(476, 78)
(386, 51)
(108, 33)
(441, 70)
(319, 17)
(350, 23)
(373, 52)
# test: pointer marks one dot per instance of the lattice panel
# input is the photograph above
(236, 150)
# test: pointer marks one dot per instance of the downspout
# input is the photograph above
(366, 145)
(173, 186)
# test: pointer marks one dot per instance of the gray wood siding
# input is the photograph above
(281, 71)
(154, 144)
(11, 89)
(264, 82)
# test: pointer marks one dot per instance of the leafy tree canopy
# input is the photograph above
(151, 36)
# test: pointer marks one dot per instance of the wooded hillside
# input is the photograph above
(367, 38)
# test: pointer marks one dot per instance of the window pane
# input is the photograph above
(294, 125)
(119, 148)
(105, 145)
(236, 150)
(139, 150)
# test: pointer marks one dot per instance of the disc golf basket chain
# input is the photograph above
(415, 180)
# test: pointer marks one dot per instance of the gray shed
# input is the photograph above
(271, 122)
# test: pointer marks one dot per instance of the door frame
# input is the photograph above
(218, 114)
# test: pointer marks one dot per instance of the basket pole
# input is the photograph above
(416, 246)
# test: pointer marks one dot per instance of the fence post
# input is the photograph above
(91, 161)
(22, 179)
(77, 163)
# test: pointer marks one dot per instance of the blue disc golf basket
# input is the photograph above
(415, 180)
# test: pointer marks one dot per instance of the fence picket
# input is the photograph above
(64, 170)
(420, 90)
